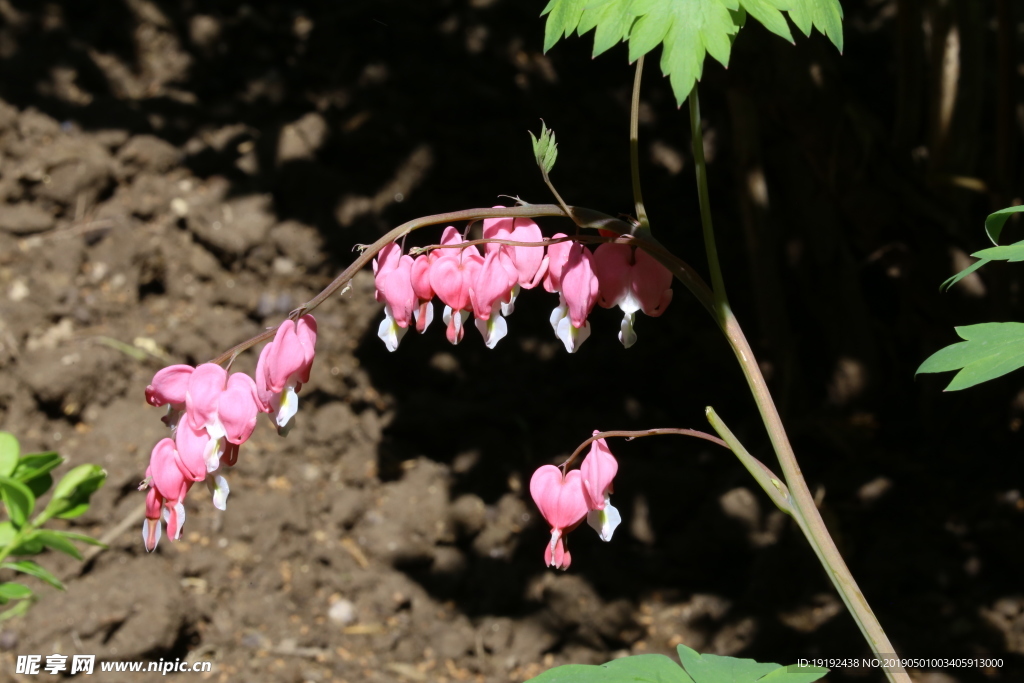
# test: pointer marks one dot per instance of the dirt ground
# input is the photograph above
(176, 177)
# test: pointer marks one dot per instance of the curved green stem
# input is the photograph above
(697, 137)
(804, 510)
(776, 490)
(634, 145)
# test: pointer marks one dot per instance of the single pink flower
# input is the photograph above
(634, 281)
(526, 262)
(491, 288)
(393, 280)
(578, 292)
(168, 388)
(225, 406)
(424, 313)
(452, 276)
(168, 487)
(598, 470)
(561, 502)
(284, 366)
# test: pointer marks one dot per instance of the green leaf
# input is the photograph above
(962, 274)
(52, 539)
(40, 485)
(545, 149)
(7, 533)
(89, 540)
(15, 611)
(18, 500)
(794, 674)
(32, 569)
(635, 669)
(995, 222)
(1010, 252)
(14, 591)
(71, 496)
(35, 465)
(989, 350)
(9, 450)
(688, 30)
(717, 669)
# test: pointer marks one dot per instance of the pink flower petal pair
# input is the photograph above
(597, 471)
(634, 281)
(561, 502)
(224, 406)
(284, 366)
(526, 261)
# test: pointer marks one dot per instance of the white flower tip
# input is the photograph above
(151, 533)
(626, 334)
(605, 521)
(572, 337)
(493, 330)
(220, 489)
(389, 331)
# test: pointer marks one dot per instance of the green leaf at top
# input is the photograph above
(718, 669)
(9, 450)
(32, 569)
(18, 500)
(688, 30)
(635, 669)
(989, 350)
(995, 222)
(794, 674)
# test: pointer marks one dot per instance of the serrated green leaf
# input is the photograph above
(995, 222)
(35, 465)
(14, 591)
(688, 30)
(794, 674)
(718, 669)
(52, 539)
(768, 14)
(9, 450)
(635, 669)
(32, 569)
(16, 611)
(18, 500)
(989, 350)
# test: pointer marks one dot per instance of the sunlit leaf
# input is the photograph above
(794, 674)
(545, 149)
(718, 669)
(989, 350)
(35, 465)
(9, 450)
(635, 669)
(32, 569)
(18, 500)
(51, 539)
(14, 591)
(688, 30)
(71, 495)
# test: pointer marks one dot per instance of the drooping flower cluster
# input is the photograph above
(486, 284)
(211, 414)
(564, 500)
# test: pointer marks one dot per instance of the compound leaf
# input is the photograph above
(989, 350)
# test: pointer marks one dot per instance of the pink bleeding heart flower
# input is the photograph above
(168, 487)
(226, 407)
(562, 503)
(527, 262)
(168, 388)
(452, 276)
(284, 366)
(492, 285)
(578, 292)
(195, 449)
(634, 281)
(424, 313)
(554, 262)
(598, 470)
(393, 280)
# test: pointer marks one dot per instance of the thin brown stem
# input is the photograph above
(630, 435)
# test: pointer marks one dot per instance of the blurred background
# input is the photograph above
(175, 177)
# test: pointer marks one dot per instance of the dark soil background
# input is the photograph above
(175, 176)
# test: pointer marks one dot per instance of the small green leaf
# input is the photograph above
(962, 274)
(14, 591)
(794, 674)
(89, 540)
(18, 500)
(7, 533)
(718, 669)
(15, 611)
(35, 465)
(563, 17)
(51, 539)
(9, 450)
(545, 149)
(635, 669)
(1010, 252)
(995, 222)
(32, 569)
(767, 12)
(71, 496)
(989, 350)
